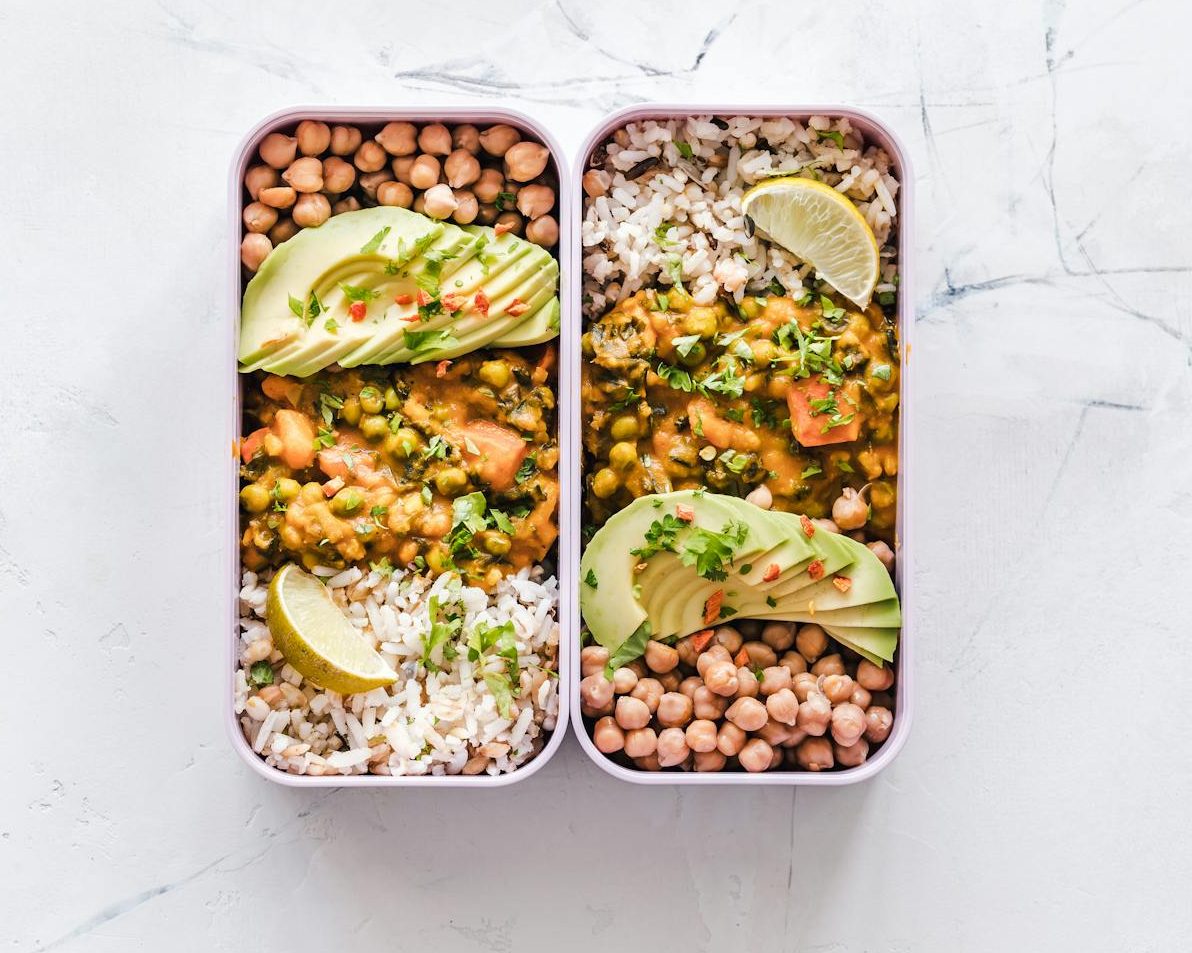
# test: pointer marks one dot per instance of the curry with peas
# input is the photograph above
(797, 396)
(435, 467)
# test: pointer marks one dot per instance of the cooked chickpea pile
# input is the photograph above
(488, 176)
(758, 696)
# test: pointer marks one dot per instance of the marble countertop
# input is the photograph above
(1042, 799)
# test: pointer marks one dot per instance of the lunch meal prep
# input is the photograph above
(399, 456)
(741, 370)
(516, 446)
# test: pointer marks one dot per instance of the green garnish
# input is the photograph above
(832, 134)
(260, 674)
(810, 472)
(660, 536)
(378, 513)
(296, 307)
(441, 629)
(437, 447)
(844, 466)
(384, 567)
(685, 149)
(356, 293)
(684, 344)
(709, 551)
(374, 243)
(418, 341)
(328, 405)
(528, 468)
(505, 201)
(331, 325)
(590, 580)
(881, 372)
(502, 522)
(325, 439)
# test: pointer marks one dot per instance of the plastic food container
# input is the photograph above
(566, 549)
(876, 133)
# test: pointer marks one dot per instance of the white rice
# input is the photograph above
(428, 722)
(687, 212)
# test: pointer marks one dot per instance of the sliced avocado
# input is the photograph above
(875, 644)
(793, 549)
(870, 615)
(677, 587)
(542, 326)
(834, 557)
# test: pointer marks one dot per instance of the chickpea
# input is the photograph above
(313, 137)
(543, 231)
(287, 490)
(348, 204)
(672, 747)
(534, 201)
(878, 722)
(852, 756)
(860, 697)
(279, 196)
(489, 185)
(814, 754)
(701, 736)
(596, 691)
(345, 140)
(592, 659)
(497, 140)
(848, 724)
(650, 691)
(278, 150)
(794, 663)
(873, 677)
(756, 755)
(398, 138)
(596, 182)
(467, 208)
(688, 685)
(814, 714)
(370, 157)
(396, 194)
(660, 657)
(346, 502)
(850, 511)
(259, 177)
(775, 678)
(254, 249)
(254, 498)
(304, 175)
(670, 681)
(760, 497)
(424, 173)
(311, 210)
(401, 167)
(708, 760)
(828, 665)
(687, 653)
(608, 736)
(713, 653)
(605, 483)
(837, 688)
(435, 139)
(451, 481)
(623, 455)
(883, 552)
(641, 742)
(509, 222)
(760, 654)
(730, 639)
(259, 217)
(639, 668)
(706, 704)
(632, 712)
(811, 642)
(624, 680)
(525, 161)
(721, 678)
(747, 684)
(748, 714)
(461, 169)
(674, 710)
(487, 214)
(370, 182)
(440, 201)
(780, 636)
(466, 136)
(774, 733)
(729, 739)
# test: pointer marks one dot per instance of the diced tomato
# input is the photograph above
(357, 310)
(712, 606)
(843, 583)
(441, 368)
(684, 512)
(811, 429)
(451, 303)
(517, 308)
(808, 526)
(816, 569)
(482, 303)
(741, 659)
(252, 443)
(499, 452)
(772, 572)
(404, 299)
(297, 437)
(700, 640)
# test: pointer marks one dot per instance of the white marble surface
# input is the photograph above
(1042, 801)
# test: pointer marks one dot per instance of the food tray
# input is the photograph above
(879, 134)
(567, 551)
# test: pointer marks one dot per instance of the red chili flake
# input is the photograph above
(423, 298)
(700, 640)
(441, 368)
(502, 227)
(482, 303)
(816, 569)
(712, 606)
(741, 659)
(772, 572)
(451, 303)
(808, 526)
(843, 583)
(684, 512)
(404, 299)
(516, 308)
(357, 310)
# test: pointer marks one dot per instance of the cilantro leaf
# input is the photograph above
(660, 536)
(632, 648)
(418, 341)
(469, 511)
(296, 307)
(709, 551)
(590, 579)
(685, 149)
(357, 293)
(684, 344)
(374, 243)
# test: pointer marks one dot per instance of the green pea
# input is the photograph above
(695, 355)
(701, 321)
(622, 455)
(605, 483)
(450, 481)
(287, 489)
(764, 351)
(625, 428)
(404, 443)
(495, 543)
(392, 401)
(350, 411)
(371, 401)
(346, 502)
(750, 308)
(494, 373)
(254, 498)
(374, 426)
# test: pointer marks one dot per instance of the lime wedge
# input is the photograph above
(817, 224)
(316, 637)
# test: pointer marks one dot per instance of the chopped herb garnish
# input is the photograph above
(771, 602)
(735, 414)
(660, 536)
(709, 551)
(881, 371)
(810, 472)
(356, 293)
(590, 579)
(379, 513)
(374, 243)
(325, 439)
(660, 235)
(331, 325)
(437, 448)
(328, 405)
(678, 378)
(505, 201)
(684, 344)
(261, 674)
(296, 307)
(502, 522)
(844, 466)
(685, 149)
(832, 134)
(426, 494)
(418, 341)
(384, 567)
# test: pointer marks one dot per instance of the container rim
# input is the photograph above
(879, 133)
(566, 545)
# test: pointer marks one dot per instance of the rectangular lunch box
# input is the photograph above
(567, 544)
(879, 134)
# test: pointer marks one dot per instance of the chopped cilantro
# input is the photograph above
(441, 629)
(660, 235)
(832, 134)
(437, 448)
(328, 405)
(374, 243)
(775, 287)
(881, 371)
(426, 494)
(735, 414)
(331, 325)
(830, 311)
(678, 378)
(418, 341)
(590, 579)
(325, 439)
(886, 298)
(684, 344)
(469, 511)
(771, 602)
(663, 301)
(709, 551)
(685, 149)
(384, 567)
(735, 462)
(844, 466)
(505, 201)
(261, 674)
(356, 293)
(660, 536)
(810, 472)
(378, 513)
